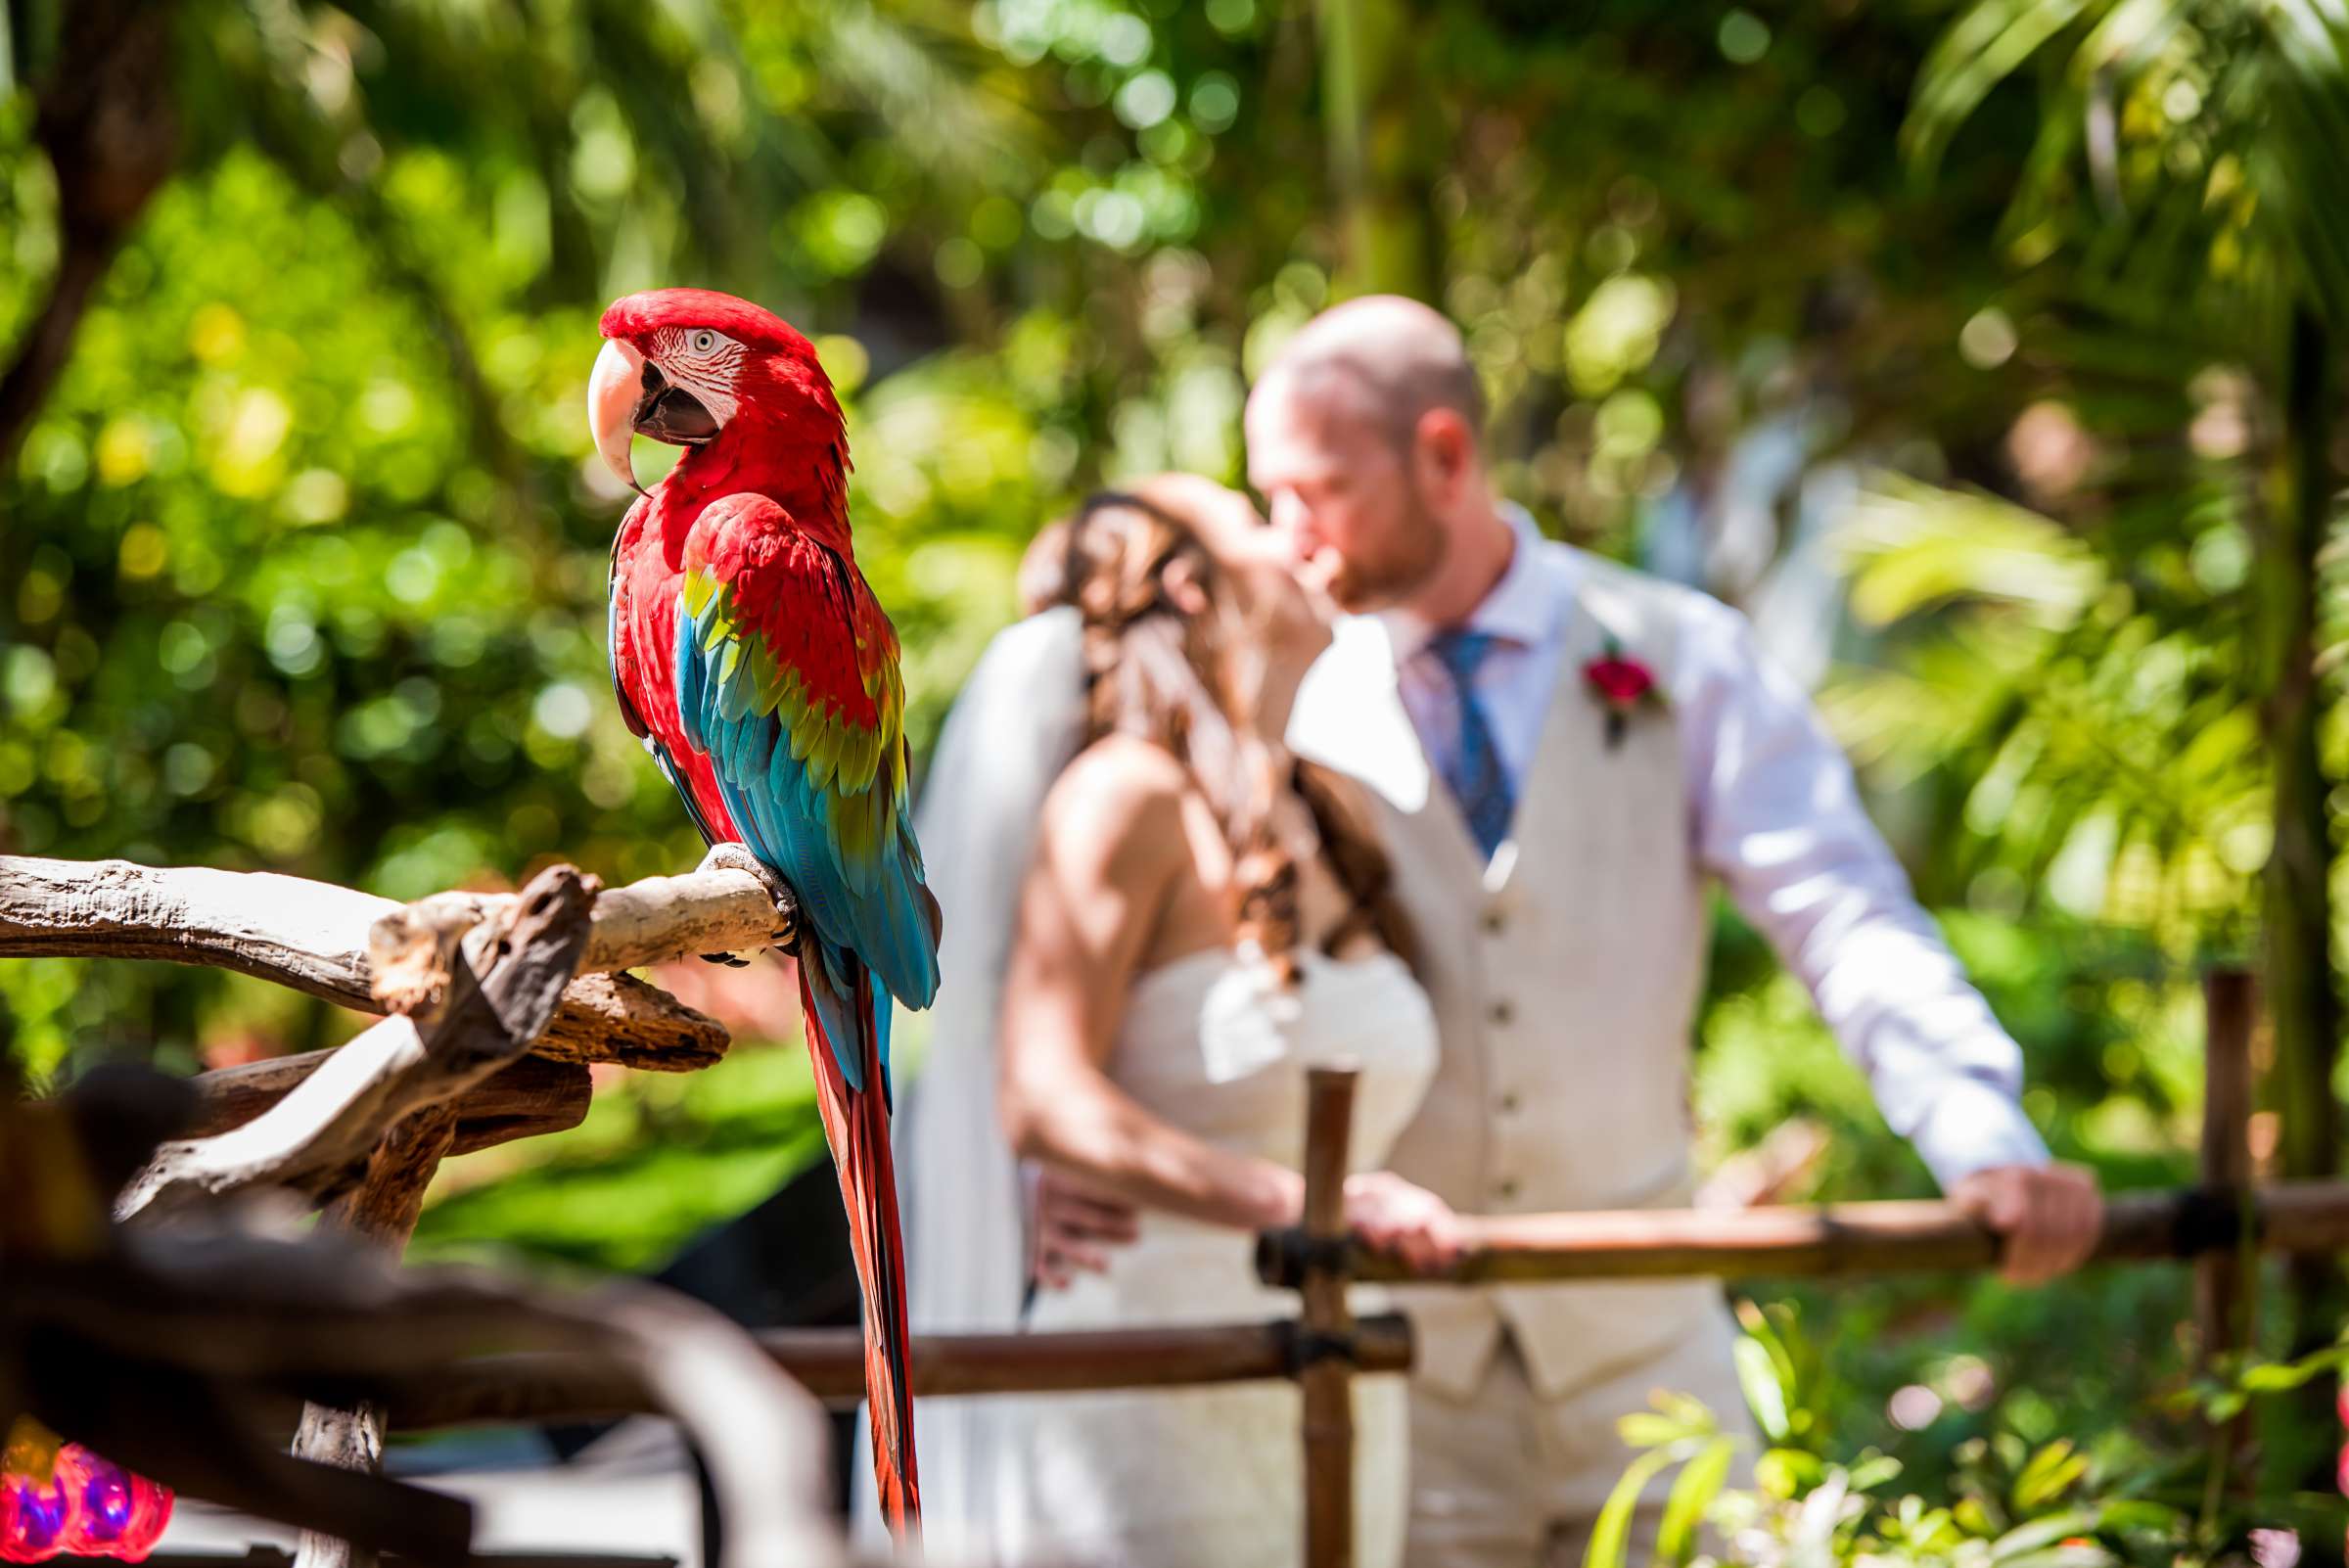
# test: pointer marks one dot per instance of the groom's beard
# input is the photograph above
(1412, 555)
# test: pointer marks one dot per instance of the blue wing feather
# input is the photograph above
(864, 916)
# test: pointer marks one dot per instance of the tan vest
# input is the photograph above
(1565, 976)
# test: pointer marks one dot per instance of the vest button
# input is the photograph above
(1495, 922)
(1503, 1012)
(1510, 1103)
(1506, 1189)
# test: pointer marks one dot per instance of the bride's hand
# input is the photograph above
(1410, 1221)
(1074, 1226)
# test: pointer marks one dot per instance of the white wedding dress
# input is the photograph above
(1213, 1476)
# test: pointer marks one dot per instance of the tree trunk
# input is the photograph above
(109, 123)
(1382, 150)
(2296, 958)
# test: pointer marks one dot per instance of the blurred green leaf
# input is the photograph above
(1692, 1491)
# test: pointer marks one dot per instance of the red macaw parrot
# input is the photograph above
(752, 660)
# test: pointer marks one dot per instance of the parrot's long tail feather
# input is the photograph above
(857, 1126)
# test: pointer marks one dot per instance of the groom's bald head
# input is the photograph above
(1382, 357)
(1364, 437)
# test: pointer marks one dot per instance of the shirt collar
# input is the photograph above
(1524, 608)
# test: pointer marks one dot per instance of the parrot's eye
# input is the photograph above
(704, 341)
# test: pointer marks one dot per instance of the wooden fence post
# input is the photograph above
(2223, 1298)
(1325, 1332)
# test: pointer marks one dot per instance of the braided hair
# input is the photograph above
(1179, 679)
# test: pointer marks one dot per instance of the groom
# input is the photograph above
(1570, 751)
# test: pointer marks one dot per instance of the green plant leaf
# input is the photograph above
(1765, 1395)
(2276, 1377)
(1647, 1429)
(1872, 1470)
(1692, 1491)
(2041, 1533)
(1613, 1530)
(2137, 1514)
(2052, 1471)
(1787, 1472)
(2075, 1556)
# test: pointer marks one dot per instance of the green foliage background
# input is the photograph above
(303, 557)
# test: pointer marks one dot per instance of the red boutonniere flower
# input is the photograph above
(1624, 686)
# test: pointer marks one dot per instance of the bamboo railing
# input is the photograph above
(830, 1364)
(1852, 1238)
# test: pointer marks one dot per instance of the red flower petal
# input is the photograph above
(1619, 679)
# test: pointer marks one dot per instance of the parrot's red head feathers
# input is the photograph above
(736, 384)
(633, 317)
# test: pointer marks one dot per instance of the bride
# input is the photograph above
(1202, 919)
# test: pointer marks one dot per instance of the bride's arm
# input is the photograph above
(1109, 852)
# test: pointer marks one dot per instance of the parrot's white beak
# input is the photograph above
(613, 392)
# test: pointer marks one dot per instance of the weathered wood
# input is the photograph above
(312, 937)
(530, 1097)
(660, 918)
(2226, 1161)
(1325, 1375)
(619, 1017)
(316, 936)
(1852, 1238)
(830, 1364)
(382, 1209)
(2223, 1300)
(332, 1120)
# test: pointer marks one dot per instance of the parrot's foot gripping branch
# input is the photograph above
(732, 857)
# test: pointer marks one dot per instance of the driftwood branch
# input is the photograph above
(647, 922)
(619, 1017)
(335, 1117)
(382, 1209)
(527, 1098)
(316, 938)
(310, 936)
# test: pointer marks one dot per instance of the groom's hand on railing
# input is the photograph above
(2049, 1215)
(1075, 1227)
(1413, 1222)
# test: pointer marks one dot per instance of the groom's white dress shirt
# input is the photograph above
(1775, 816)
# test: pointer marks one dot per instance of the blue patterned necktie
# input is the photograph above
(1474, 770)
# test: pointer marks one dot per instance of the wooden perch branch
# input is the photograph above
(335, 1117)
(315, 938)
(524, 1099)
(619, 1017)
(310, 936)
(647, 922)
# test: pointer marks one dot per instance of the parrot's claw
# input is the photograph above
(732, 857)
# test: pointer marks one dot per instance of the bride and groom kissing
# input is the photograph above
(1386, 778)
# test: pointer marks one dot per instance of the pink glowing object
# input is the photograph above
(88, 1505)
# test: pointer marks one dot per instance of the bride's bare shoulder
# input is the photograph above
(1121, 798)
